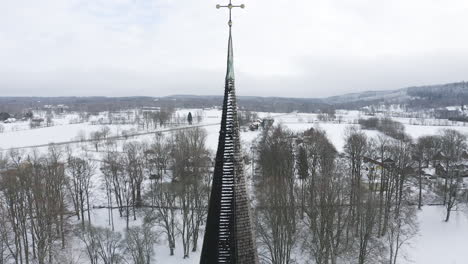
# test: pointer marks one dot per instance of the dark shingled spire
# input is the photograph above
(229, 236)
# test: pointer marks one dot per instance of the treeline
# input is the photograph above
(80, 104)
(354, 207)
(385, 125)
(46, 200)
(463, 119)
(17, 105)
(247, 103)
(33, 215)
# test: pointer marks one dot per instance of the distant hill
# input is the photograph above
(439, 95)
(370, 96)
(421, 97)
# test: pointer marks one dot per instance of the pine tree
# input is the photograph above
(190, 118)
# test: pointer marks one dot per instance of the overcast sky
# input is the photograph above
(294, 48)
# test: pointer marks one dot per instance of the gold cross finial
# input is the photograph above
(230, 6)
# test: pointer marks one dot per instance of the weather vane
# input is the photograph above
(230, 6)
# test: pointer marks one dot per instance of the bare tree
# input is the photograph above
(402, 229)
(325, 200)
(190, 160)
(33, 192)
(108, 245)
(134, 164)
(89, 237)
(277, 223)
(303, 173)
(80, 171)
(355, 149)
(115, 172)
(423, 152)
(165, 214)
(96, 136)
(101, 244)
(453, 143)
(139, 244)
(5, 237)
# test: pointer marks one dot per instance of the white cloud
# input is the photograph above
(283, 47)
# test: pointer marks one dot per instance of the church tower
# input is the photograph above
(229, 235)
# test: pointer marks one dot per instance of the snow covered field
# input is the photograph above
(63, 131)
(440, 242)
(437, 243)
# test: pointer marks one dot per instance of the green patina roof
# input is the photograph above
(230, 59)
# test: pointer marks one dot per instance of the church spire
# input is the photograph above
(229, 235)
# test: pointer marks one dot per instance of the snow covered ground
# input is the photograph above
(438, 242)
(54, 134)
(64, 131)
(161, 254)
